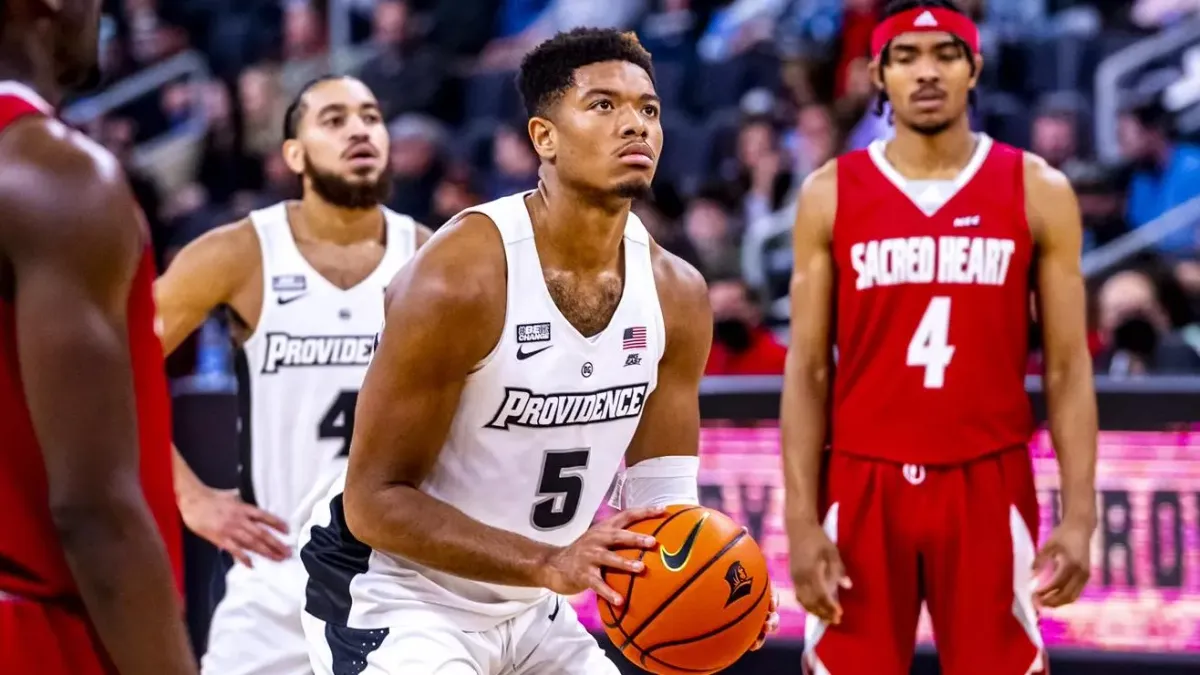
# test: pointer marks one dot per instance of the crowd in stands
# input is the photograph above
(757, 94)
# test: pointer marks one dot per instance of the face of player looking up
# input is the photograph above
(605, 134)
(341, 146)
(928, 78)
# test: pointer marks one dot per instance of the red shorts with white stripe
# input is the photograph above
(960, 538)
(48, 639)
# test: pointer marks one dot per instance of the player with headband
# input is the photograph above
(919, 255)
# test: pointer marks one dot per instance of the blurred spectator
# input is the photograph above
(1137, 332)
(1164, 171)
(455, 193)
(417, 144)
(757, 176)
(304, 32)
(262, 106)
(223, 168)
(150, 39)
(1054, 133)
(407, 75)
(1101, 202)
(514, 163)
(661, 216)
(813, 142)
(706, 223)
(741, 345)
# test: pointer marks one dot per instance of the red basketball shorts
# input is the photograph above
(960, 538)
(48, 640)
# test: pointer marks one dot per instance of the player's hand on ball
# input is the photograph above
(817, 574)
(576, 568)
(1068, 553)
(225, 521)
(772, 623)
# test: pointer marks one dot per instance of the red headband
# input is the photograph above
(925, 20)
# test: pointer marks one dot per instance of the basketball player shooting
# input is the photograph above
(917, 254)
(533, 344)
(303, 285)
(90, 532)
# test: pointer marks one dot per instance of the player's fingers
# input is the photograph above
(627, 539)
(815, 600)
(258, 540)
(238, 554)
(606, 558)
(1044, 556)
(596, 583)
(837, 571)
(628, 517)
(268, 519)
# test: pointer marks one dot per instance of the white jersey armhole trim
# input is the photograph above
(264, 280)
(482, 363)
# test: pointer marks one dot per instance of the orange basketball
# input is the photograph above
(701, 601)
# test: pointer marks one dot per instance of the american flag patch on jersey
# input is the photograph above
(634, 338)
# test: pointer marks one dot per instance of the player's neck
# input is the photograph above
(580, 234)
(320, 220)
(22, 59)
(917, 156)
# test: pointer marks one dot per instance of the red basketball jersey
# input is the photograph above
(932, 311)
(32, 563)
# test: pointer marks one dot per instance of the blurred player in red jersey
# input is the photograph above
(86, 582)
(917, 256)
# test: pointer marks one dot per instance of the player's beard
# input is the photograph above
(346, 194)
(634, 189)
(930, 129)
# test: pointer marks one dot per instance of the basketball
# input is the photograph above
(701, 601)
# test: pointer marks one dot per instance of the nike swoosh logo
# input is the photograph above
(522, 354)
(677, 560)
(283, 301)
(557, 606)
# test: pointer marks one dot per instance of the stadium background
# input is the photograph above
(757, 94)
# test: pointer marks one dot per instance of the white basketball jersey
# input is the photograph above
(541, 428)
(300, 372)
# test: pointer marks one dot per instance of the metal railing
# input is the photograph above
(1117, 251)
(189, 64)
(1113, 70)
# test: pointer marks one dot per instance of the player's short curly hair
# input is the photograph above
(548, 71)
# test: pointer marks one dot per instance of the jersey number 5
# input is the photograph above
(560, 486)
(338, 421)
(929, 347)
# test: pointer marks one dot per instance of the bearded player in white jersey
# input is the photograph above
(303, 285)
(534, 344)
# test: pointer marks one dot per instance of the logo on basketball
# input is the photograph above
(739, 582)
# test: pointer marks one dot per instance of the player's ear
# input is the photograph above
(293, 155)
(544, 137)
(978, 59)
(52, 6)
(876, 73)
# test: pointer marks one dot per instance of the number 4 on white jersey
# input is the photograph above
(929, 346)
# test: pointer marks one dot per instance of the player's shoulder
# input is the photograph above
(682, 292)
(51, 172)
(817, 200)
(460, 268)
(60, 190)
(229, 253)
(1042, 177)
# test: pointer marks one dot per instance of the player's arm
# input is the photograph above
(1070, 392)
(806, 378)
(203, 276)
(816, 566)
(74, 261)
(662, 457)
(445, 311)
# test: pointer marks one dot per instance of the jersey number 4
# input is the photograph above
(929, 347)
(338, 421)
(559, 487)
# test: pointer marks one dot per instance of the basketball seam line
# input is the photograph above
(683, 587)
(649, 653)
(633, 577)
